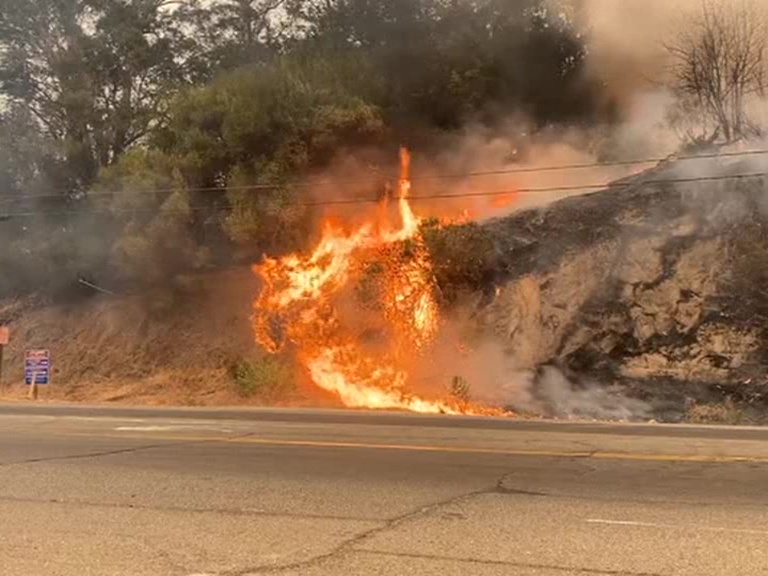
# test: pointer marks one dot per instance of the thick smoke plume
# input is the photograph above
(495, 377)
(627, 39)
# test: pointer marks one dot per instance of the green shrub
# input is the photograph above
(269, 378)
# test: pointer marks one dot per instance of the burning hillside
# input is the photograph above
(645, 300)
(359, 310)
(614, 288)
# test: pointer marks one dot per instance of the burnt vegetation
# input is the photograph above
(718, 66)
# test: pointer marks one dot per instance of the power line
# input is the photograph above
(357, 201)
(617, 163)
(604, 186)
(95, 287)
(456, 176)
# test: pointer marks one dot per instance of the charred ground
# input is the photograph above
(654, 285)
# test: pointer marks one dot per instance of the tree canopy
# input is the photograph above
(148, 122)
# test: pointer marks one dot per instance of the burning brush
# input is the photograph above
(312, 302)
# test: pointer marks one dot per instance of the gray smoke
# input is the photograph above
(552, 394)
(495, 377)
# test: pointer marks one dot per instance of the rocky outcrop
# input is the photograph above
(643, 297)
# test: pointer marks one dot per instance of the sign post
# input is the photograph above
(37, 370)
(33, 387)
(5, 338)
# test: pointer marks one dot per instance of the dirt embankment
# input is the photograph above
(148, 349)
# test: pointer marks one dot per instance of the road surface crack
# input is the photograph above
(393, 523)
(84, 456)
(182, 509)
(348, 545)
(502, 488)
(115, 452)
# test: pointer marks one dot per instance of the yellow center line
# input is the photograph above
(597, 454)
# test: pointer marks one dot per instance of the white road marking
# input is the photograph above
(150, 428)
(168, 428)
(100, 419)
(635, 524)
(623, 523)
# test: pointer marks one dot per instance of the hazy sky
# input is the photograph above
(628, 36)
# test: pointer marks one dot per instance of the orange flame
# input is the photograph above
(504, 200)
(303, 297)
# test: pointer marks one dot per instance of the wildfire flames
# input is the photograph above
(359, 309)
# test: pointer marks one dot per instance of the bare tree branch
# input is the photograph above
(719, 64)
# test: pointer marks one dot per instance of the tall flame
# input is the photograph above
(302, 302)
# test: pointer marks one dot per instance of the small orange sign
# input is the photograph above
(5, 335)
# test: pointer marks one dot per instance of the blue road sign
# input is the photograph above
(37, 367)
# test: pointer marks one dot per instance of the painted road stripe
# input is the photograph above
(171, 428)
(635, 524)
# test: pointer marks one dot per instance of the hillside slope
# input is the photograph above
(147, 348)
(656, 287)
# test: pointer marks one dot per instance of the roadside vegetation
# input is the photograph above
(270, 379)
(150, 147)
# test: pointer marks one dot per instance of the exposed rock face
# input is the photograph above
(536, 312)
(637, 311)
(645, 296)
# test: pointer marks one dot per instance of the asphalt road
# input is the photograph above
(92, 491)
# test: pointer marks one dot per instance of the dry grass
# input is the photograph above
(117, 350)
(721, 413)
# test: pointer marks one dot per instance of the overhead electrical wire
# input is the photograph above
(456, 176)
(616, 163)
(357, 201)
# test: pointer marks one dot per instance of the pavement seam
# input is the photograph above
(591, 455)
(221, 511)
(503, 490)
(133, 449)
(568, 569)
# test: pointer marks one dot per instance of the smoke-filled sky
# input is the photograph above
(627, 38)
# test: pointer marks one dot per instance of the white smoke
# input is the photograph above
(494, 377)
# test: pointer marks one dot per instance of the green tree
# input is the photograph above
(444, 63)
(267, 126)
(152, 219)
(233, 33)
(158, 127)
(94, 73)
